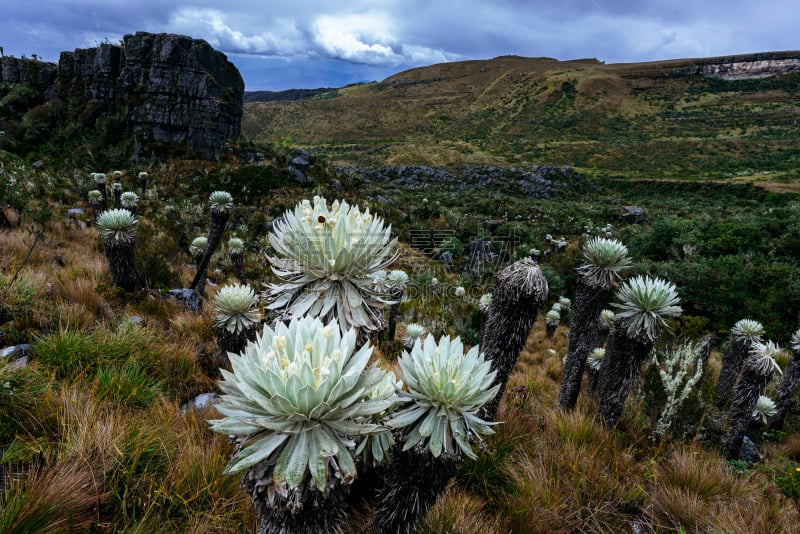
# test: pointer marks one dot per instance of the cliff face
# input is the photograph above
(746, 67)
(38, 74)
(178, 95)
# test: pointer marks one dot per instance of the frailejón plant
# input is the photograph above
(220, 204)
(117, 230)
(604, 261)
(786, 396)
(743, 334)
(757, 371)
(645, 304)
(296, 401)
(325, 255)
(234, 308)
(236, 251)
(414, 331)
(764, 410)
(445, 391)
(445, 388)
(129, 200)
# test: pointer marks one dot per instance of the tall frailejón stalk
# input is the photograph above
(196, 248)
(520, 291)
(757, 371)
(236, 252)
(221, 204)
(100, 184)
(743, 335)
(445, 390)
(395, 284)
(644, 304)
(786, 397)
(143, 182)
(117, 230)
(235, 318)
(603, 262)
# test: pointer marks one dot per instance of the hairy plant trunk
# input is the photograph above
(234, 342)
(394, 313)
(218, 222)
(319, 513)
(482, 314)
(750, 386)
(786, 397)
(237, 261)
(143, 185)
(591, 381)
(731, 366)
(101, 186)
(521, 289)
(201, 284)
(122, 265)
(412, 482)
(618, 373)
(585, 335)
(550, 329)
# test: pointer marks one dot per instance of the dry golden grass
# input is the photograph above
(61, 496)
(693, 489)
(80, 294)
(457, 512)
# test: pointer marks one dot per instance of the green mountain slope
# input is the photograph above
(654, 120)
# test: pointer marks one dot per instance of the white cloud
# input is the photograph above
(282, 39)
(358, 37)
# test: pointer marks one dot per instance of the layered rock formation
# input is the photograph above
(178, 95)
(745, 67)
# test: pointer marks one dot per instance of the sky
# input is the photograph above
(285, 44)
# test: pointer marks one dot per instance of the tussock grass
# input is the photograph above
(58, 497)
(693, 489)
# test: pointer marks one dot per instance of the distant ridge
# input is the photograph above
(289, 95)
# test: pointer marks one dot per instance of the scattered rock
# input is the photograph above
(298, 175)
(16, 351)
(189, 299)
(384, 200)
(749, 452)
(447, 260)
(201, 402)
(18, 355)
(533, 182)
(634, 214)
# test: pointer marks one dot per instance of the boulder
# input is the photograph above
(634, 214)
(201, 402)
(189, 299)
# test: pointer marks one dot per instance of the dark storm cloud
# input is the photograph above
(370, 39)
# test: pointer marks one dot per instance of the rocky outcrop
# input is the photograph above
(745, 67)
(37, 74)
(538, 181)
(178, 95)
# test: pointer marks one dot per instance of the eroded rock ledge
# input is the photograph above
(178, 95)
(750, 66)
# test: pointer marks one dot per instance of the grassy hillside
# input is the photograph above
(634, 120)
